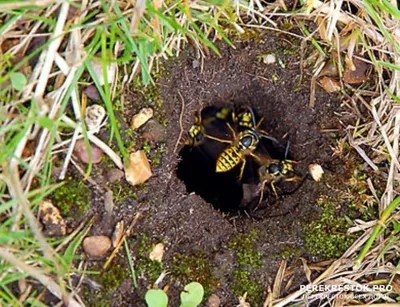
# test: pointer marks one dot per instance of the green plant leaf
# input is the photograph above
(18, 80)
(192, 295)
(156, 298)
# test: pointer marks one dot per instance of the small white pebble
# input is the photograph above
(397, 32)
(141, 118)
(316, 171)
(94, 117)
(269, 59)
(157, 253)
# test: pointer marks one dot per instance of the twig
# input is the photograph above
(180, 121)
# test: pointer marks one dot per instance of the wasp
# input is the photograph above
(244, 143)
(273, 171)
(197, 132)
(247, 120)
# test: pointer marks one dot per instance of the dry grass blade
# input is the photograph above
(276, 290)
(17, 5)
(292, 297)
(56, 40)
(121, 241)
(46, 281)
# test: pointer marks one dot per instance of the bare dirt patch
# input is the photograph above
(231, 253)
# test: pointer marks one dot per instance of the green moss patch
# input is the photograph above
(145, 266)
(122, 191)
(248, 261)
(72, 198)
(109, 280)
(327, 237)
(196, 267)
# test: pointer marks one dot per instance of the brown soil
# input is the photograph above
(189, 226)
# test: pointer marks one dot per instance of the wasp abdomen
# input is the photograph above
(228, 159)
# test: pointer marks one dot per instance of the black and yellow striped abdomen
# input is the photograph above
(236, 153)
(229, 158)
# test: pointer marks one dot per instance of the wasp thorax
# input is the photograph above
(247, 141)
(274, 168)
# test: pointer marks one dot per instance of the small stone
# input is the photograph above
(109, 202)
(157, 253)
(94, 117)
(92, 92)
(249, 190)
(269, 59)
(141, 118)
(213, 301)
(316, 171)
(330, 85)
(137, 169)
(396, 32)
(195, 64)
(329, 70)
(154, 132)
(355, 71)
(81, 152)
(53, 222)
(96, 246)
(114, 175)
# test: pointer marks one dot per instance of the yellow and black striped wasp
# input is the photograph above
(246, 119)
(243, 144)
(197, 132)
(273, 171)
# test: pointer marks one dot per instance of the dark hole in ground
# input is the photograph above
(197, 166)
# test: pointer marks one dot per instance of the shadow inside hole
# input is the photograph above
(198, 164)
(197, 171)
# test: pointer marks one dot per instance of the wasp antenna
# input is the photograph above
(252, 115)
(269, 138)
(287, 149)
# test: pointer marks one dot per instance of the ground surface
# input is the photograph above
(228, 253)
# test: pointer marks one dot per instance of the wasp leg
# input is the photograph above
(234, 118)
(217, 139)
(255, 156)
(242, 168)
(232, 130)
(294, 178)
(274, 189)
(261, 193)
